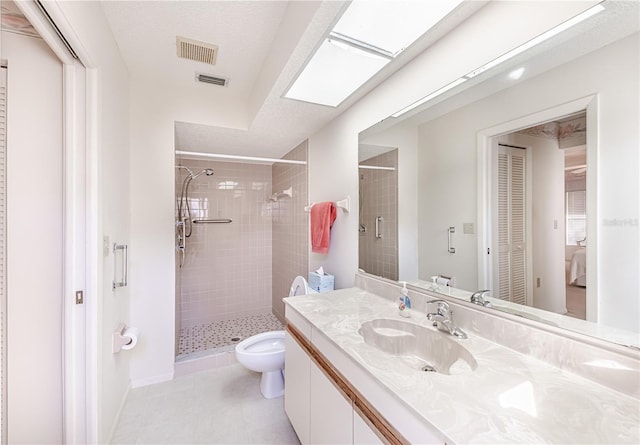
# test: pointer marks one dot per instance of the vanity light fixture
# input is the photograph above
(376, 167)
(514, 52)
(367, 37)
(417, 103)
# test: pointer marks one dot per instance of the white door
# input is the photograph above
(46, 240)
(3, 244)
(510, 263)
(35, 245)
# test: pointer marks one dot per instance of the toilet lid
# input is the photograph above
(299, 287)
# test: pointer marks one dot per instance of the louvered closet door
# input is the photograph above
(512, 248)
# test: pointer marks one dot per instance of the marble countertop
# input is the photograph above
(509, 398)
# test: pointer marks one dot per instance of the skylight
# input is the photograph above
(369, 35)
(391, 25)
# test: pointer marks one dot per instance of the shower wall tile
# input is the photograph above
(290, 226)
(227, 269)
(379, 198)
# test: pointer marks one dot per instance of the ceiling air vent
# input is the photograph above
(198, 51)
(211, 79)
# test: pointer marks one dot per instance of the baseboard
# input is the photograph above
(137, 383)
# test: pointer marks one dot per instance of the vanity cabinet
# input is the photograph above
(297, 366)
(322, 406)
(363, 432)
(319, 412)
(330, 414)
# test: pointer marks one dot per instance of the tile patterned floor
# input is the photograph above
(219, 406)
(220, 336)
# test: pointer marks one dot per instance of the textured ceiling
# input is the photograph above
(244, 32)
(262, 47)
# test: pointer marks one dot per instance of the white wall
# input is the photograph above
(447, 184)
(84, 23)
(333, 149)
(152, 233)
(34, 244)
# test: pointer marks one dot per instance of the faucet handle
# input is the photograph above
(478, 298)
(442, 308)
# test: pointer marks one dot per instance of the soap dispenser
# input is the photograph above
(404, 308)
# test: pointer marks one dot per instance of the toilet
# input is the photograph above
(265, 352)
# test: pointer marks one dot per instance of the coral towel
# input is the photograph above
(323, 214)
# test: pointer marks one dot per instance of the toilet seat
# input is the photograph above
(299, 287)
(262, 344)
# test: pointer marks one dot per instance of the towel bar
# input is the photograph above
(343, 204)
(213, 221)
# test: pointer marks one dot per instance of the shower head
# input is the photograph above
(206, 171)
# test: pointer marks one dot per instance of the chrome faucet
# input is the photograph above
(478, 298)
(442, 319)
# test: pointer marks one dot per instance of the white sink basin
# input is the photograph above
(418, 347)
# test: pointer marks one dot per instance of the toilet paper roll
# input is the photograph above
(132, 333)
(442, 281)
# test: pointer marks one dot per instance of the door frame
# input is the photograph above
(80, 246)
(484, 189)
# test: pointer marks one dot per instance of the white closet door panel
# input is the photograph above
(512, 234)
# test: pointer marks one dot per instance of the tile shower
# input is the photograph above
(378, 252)
(234, 275)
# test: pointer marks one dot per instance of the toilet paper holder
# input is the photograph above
(120, 339)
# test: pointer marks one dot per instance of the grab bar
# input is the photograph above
(124, 255)
(213, 221)
(451, 249)
(378, 231)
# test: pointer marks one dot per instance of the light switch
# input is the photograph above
(105, 246)
(468, 228)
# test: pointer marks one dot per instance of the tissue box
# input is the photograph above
(320, 283)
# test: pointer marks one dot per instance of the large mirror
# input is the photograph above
(527, 182)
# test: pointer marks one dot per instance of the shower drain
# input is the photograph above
(428, 368)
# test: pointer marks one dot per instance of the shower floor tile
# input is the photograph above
(223, 335)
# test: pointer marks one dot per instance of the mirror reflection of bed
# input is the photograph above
(576, 282)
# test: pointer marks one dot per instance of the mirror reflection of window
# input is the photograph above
(576, 214)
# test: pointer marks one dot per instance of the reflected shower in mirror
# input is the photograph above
(378, 211)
